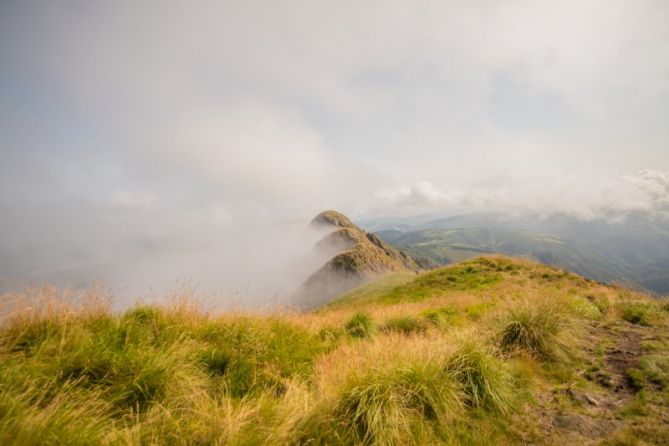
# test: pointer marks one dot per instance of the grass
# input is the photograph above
(361, 325)
(384, 407)
(537, 328)
(485, 379)
(405, 324)
(472, 275)
(637, 313)
(442, 317)
(450, 365)
(652, 370)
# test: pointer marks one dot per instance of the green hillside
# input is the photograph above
(632, 249)
(446, 246)
(486, 352)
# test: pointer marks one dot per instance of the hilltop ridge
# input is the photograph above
(363, 256)
(632, 248)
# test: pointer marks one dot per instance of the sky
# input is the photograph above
(143, 143)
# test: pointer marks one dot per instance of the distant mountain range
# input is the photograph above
(632, 249)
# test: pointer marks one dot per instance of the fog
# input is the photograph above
(147, 144)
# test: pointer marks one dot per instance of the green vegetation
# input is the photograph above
(386, 406)
(441, 317)
(405, 324)
(484, 378)
(507, 352)
(598, 250)
(371, 290)
(637, 313)
(538, 328)
(475, 275)
(361, 325)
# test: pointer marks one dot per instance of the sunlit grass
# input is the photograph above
(439, 369)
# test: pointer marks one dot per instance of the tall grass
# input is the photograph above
(392, 406)
(485, 379)
(361, 325)
(538, 328)
(76, 376)
(72, 371)
(405, 324)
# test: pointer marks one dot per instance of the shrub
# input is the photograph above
(360, 325)
(535, 328)
(485, 379)
(405, 324)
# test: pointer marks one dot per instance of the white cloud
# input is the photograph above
(253, 150)
(132, 199)
(162, 127)
(646, 191)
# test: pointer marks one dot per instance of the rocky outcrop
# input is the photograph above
(361, 258)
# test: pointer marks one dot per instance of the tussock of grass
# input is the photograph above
(485, 379)
(652, 370)
(386, 395)
(537, 328)
(405, 324)
(637, 313)
(476, 311)
(601, 301)
(383, 408)
(361, 325)
(441, 317)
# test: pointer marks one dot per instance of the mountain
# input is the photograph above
(362, 257)
(631, 249)
(491, 351)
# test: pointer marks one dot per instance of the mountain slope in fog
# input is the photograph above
(633, 249)
(362, 257)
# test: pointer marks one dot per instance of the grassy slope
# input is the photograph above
(445, 246)
(491, 351)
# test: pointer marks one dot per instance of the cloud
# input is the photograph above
(424, 196)
(647, 190)
(143, 142)
(644, 191)
(250, 151)
(132, 199)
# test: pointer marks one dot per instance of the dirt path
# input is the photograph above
(624, 356)
(577, 416)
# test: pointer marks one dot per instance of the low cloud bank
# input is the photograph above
(645, 191)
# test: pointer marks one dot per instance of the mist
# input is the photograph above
(147, 145)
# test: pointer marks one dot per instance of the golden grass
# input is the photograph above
(73, 371)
